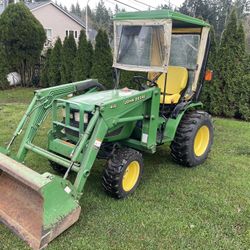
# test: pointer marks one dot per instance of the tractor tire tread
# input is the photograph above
(183, 141)
(114, 169)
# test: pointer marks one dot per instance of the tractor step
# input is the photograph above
(36, 207)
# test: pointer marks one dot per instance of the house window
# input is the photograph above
(71, 32)
(48, 34)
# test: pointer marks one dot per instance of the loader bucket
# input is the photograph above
(36, 207)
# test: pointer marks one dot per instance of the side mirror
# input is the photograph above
(209, 75)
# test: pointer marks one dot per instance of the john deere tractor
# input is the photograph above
(89, 122)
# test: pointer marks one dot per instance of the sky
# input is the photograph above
(111, 3)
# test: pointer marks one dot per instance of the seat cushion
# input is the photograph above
(177, 78)
(170, 99)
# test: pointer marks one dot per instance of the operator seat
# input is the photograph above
(177, 79)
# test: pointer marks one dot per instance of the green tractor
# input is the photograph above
(89, 122)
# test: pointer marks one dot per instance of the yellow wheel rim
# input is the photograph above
(131, 176)
(201, 140)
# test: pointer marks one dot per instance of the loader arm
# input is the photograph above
(38, 110)
(51, 201)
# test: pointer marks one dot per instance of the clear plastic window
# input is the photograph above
(184, 51)
(140, 45)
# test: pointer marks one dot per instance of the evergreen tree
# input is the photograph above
(241, 37)
(247, 30)
(102, 15)
(126, 79)
(244, 98)
(81, 68)
(55, 64)
(72, 9)
(110, 29)
(78, 10)
(240, 7)
(3, 69)
(91, 16)
(231, 68)
(68, 59)
(117, 9)
(213, 11)
(223, 9)
(103, 18)
(22, 37)
(244, 85)
(102, 60)
(45, 70)
(211, 94)
(89, 60)
(197, 8)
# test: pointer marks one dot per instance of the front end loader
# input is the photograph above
(89, 123)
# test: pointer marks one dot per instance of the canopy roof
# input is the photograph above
(160, 14)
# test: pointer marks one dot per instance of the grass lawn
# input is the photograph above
(207, 207)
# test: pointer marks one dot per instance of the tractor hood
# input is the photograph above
(101, 98)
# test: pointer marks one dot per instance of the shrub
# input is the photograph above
(55, 64)
(102, 60)
(68, 59)
(22, 37)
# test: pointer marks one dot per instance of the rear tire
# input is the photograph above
(123, 173)
(193, 139)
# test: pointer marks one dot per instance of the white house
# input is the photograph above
(56, 21)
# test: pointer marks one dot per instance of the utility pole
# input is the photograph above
(87, 22)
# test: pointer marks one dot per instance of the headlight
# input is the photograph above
(64, 114)
(85, 117)
(77, 116)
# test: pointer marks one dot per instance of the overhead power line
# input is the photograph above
(111, 2)
(144, 4)
(127, 5)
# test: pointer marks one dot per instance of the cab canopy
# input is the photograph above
(143, 39)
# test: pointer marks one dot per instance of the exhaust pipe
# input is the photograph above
(36, 207)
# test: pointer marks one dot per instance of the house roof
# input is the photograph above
(160, 14)
(36, 5)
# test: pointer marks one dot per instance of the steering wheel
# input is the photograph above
(144, 82)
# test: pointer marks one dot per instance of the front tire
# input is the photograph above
(193, 139)
(123, 173)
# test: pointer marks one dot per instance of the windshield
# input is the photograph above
(140, 45)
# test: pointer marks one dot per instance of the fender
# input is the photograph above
(173, 122)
